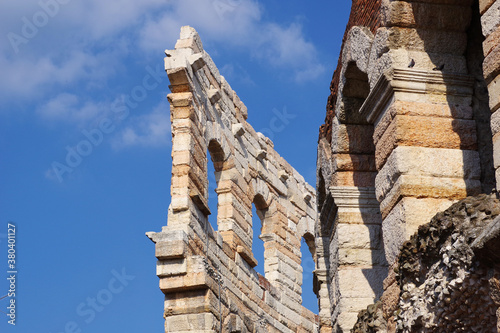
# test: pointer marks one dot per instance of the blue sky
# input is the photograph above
(71, 70)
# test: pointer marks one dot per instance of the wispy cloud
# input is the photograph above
(149, 130)
(84, 45)
(68, 107)
(240, 26)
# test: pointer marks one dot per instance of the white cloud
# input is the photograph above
(86, 43)
(29, 78)
(240, 26)
(68, 107)
(150, 130)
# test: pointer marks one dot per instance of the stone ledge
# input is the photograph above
(412, 81)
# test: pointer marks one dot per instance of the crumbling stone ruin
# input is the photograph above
(446, 277)
(207, 276)
(402, 226)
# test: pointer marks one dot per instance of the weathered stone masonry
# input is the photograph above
(207, 276)
(412, 127)
(408, 130)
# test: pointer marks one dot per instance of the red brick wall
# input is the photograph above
(363, 13)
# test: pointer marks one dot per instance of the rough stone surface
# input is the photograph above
(446, 275)
(431, 70)
(412, 127)
(208, 275)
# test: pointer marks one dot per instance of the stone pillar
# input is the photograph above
(425, 148)
(490, 24)
(357, 256)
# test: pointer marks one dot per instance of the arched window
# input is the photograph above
(308, 252)
(259, 210)
(257, 243)
(214, 169)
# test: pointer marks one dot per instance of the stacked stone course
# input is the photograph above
(207, 275)
(412, 127)
(408, 120)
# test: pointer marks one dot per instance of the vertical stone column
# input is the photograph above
(425, 148)
(357, 253)
(356, 258)
(490, 24)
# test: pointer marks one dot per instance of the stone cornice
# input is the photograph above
(412, 81)
(355, 197)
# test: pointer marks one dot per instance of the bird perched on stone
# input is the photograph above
(438, 68)
(412, 63)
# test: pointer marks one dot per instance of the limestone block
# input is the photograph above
(428, 187)
(171, 267)
(234, 234)
(361, 257)
(385, 56)
(491, 64)
(189, 302)
(180, 99)
(246, 254)
(490, 20)
(494, 92)
(174, 60)
(484, 5)
(196, 61)
(430, 132)
(491, 41)
(353, 139)
(410, 108)
(427, 40)
(176, 283)
(360, 216)
(356, 282)
(357, 47)
(191, 322)
(359, 236)
(416, 14)
(495, 123)
(355, 304)
(353, 162)
(238, 129)
(283, 175)
(179, 203)
(187, 32)
(261, 154)
(496, 150)
(214, 95)
(170, 249)
(497, 177)
(432, 162)
(353, 178)
(347, 320)
(405, 218)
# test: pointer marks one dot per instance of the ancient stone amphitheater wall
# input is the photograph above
(407, 133)
(208, 275)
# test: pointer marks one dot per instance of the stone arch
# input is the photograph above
(260, 219)
(354, 91)
(309, 265)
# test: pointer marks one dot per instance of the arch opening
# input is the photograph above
(257, 242)
(214, 170)
(308, 263)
